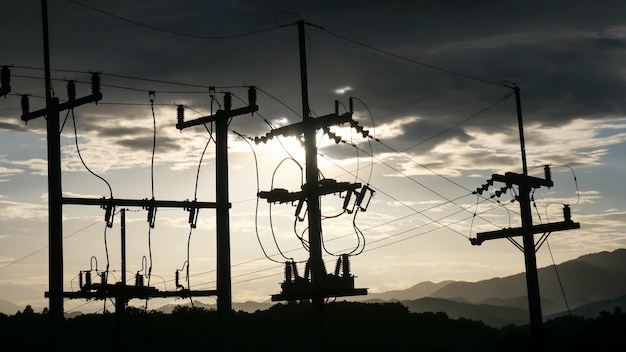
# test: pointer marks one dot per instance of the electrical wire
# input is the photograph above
(556, 271)
(106, 248)
(81, 157)
(280, 102)
(233, 36)
(134, 78)
(195, 198)
(562, 203)
(506, 96)
(392, 236)
(373, 134)
(151, 209)
(360, 235)
(270, 205)
(417, 212)
(421, 165)
(369, 249)
(45, 247)
(106, 251)
(397, 56)
(258, 189)
(154, 135)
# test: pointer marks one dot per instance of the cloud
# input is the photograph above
(11, 126)
(6, 172)
(22, 211)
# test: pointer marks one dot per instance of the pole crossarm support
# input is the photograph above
(325, 186)
(306, 293)
(520, 179)
(519, 231)
(225, 113)
(127, 292)
(302, 127)
(71, 103)
(144, 203)
(219, 114)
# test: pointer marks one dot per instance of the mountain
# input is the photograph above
(586, 279)
(423, 289)
(590, 284)
(592, 310)
(8, 308)
(496, 316)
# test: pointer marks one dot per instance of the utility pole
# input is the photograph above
(55, 224)
(317, 284)
(311, 192)
(221, 119)
(55, 195)
(527, 230)
(55, 216)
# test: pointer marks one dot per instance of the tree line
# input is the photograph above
(350, 326)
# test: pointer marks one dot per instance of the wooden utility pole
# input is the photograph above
(55, 216)
(221, 119)
(527, 230)
(311, 193)
(55, 208)
(317, 284)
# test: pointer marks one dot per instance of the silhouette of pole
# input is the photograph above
(55, 223)
(530, 259)
(222, 205)
(316, 263)
(123, 240)
(121, 300)
(224, 291)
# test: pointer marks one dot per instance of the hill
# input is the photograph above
(496, 316)
(8, 308)
(590, 284)
(586, 279)
(423, 289)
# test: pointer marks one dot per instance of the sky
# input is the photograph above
(430, 80)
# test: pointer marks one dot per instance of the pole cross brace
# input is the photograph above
(325, 186)
(144, 203)
(519, 231)
(299, 128)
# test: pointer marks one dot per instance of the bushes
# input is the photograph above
(289, 327)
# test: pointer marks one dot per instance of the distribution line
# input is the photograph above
(171, 31)
(397, 56)
(370, 242)
(43, 248)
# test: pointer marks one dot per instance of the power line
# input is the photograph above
(397, 56)
(460, 122)
(181, 34)
(135, 78)
(43, 248)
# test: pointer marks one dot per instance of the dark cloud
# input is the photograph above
(565, 57)
(163, 144)
(9, 126)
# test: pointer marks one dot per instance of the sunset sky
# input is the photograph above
(428, 80)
